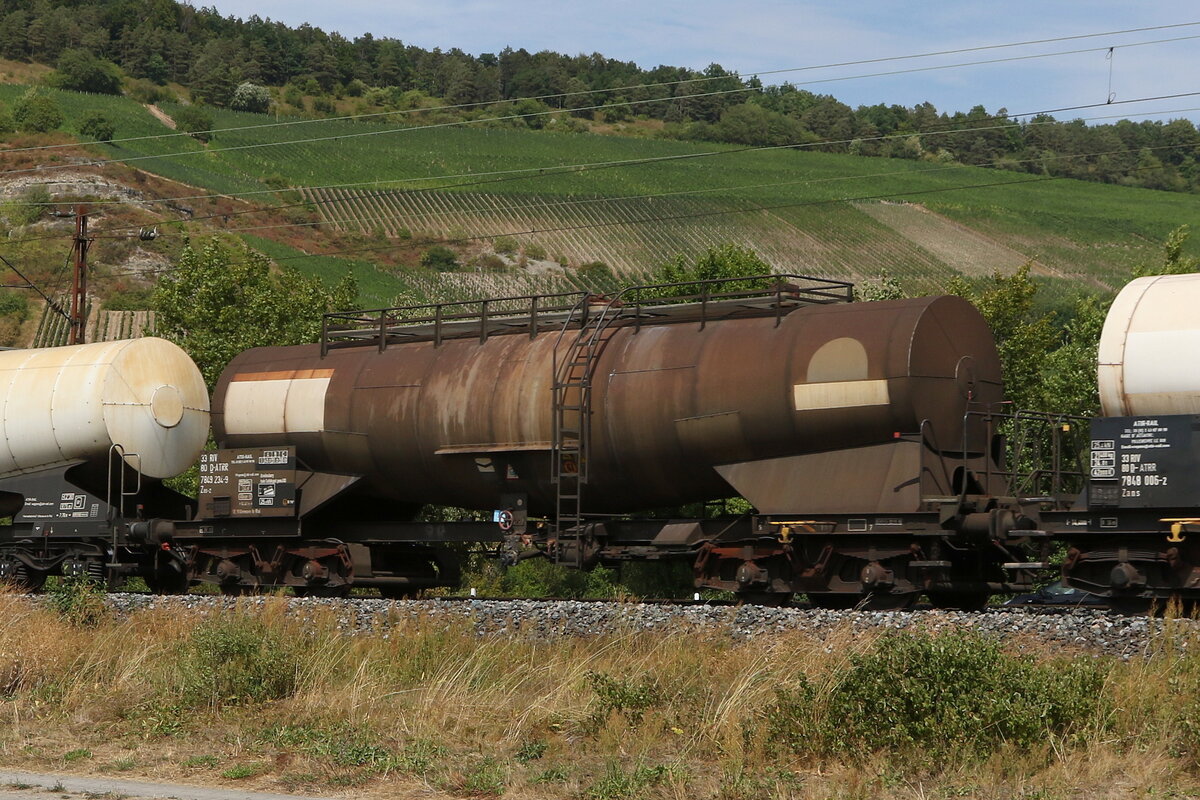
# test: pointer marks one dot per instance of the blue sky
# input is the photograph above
(758, 35)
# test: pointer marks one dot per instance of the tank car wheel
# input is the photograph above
(960, 601)
(768, 599)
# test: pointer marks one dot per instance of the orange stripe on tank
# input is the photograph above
(284, 375)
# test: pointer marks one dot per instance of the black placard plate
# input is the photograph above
(1145, 462)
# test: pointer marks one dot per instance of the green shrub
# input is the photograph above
(531, 751)
(80, 600)
(539, 577)
(491, 262)
(36, 112)
(292, 95)
(251, 97)
(80, 71)
(241, 771)
(617, 784)
(486, 779)
(343, 745)
(98, 126)
(196, 121)
(136, 299)
(596, 275)
(505, 244)
(535, 251)
(148, 92)
(625, 696)
(960, 694)
(237, 659)
(30, 207)
(14, 304)
(420, 757)
(439, 257)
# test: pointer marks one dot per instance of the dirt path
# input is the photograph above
(34, 785)
(161, 115)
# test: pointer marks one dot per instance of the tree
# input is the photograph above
(216, 73)
(157, 68)
(1068, 376)
(98, 126)
(251, 97)
(439, 257)
(14, 31)
(1024, 336)
(196, 121)
(1174, 262)
(727, 261)
(80, 71)
(885, 287)
(36, 112)
(218, 303)
(596, 275)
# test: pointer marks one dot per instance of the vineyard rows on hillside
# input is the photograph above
(801, 210)
(631, 235)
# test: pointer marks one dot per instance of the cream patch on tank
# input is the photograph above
(840, 394)
(842, 359)
(287, 405)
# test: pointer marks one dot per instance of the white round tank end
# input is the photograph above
(1149, 356)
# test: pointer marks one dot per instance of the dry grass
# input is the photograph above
(423, 709)
(22, 72)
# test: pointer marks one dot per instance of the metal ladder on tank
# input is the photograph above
(572, 411)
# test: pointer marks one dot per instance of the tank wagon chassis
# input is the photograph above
(872, 441)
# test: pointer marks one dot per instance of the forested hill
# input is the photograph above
(156, 42)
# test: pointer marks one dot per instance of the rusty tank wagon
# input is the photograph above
(859, 433)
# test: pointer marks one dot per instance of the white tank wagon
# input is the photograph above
(68, 416)
(65, 404)
(1149, 356)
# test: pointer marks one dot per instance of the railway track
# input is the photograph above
(1085, 629)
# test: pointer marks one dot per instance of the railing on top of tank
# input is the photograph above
(685, 301)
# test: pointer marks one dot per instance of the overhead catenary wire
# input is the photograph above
(533, 207)
(575, 169)
(661, 84)
(703, 214)
(655, 219)
(526, 173)
(530, 115)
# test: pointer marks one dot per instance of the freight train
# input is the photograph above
(871, 443)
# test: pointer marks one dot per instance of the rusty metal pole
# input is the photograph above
(79, 287)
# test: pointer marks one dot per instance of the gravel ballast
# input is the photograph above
(1077, 629)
